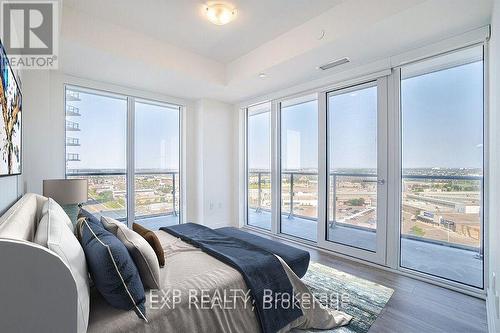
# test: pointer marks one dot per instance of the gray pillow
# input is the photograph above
(141, 252)
(54, 233)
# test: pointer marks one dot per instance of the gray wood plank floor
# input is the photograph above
(415, 306)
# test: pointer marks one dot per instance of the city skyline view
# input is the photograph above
(96, 127)
(441, 164)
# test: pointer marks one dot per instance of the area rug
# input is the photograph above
(362, 299)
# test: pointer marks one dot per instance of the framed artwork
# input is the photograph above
(11, 119)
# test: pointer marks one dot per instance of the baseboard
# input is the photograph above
(219, 225)
(493, 322)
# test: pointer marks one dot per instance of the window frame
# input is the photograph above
(130, 139)
(391, 70)
(101, 93)
(297, 99)
(379, 255)
(246, 206)
(134, 101)
(485, 167)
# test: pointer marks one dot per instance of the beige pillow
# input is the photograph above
(60, 212)
(54, 233)
(141, 252)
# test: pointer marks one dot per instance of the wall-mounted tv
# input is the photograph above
(10, 121)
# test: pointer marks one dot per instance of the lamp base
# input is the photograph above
(72, 212)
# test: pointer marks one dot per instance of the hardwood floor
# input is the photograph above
(415, 306)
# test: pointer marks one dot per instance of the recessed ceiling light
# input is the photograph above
(262, 75)
(220, 13)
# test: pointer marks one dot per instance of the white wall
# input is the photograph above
(43, 131)
(494, 195)
(215, 138)
(9, 192)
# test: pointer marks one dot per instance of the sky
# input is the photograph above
(299, 141)
(443, 118)
(299, 144)
(259, 141)
(442, 125)
(103, 124)
(156, 137)
(352, 129)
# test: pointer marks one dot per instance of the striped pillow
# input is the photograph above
(141, 252)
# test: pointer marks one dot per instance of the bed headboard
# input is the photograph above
(38, 292)
(21, 220)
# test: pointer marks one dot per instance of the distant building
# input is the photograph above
(467, 209)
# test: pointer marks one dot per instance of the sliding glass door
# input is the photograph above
(299, 167)
(442, 166)
(157, 152)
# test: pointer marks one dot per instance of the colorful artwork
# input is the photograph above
(10, 126)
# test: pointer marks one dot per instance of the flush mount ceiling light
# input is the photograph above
(220, 13)
(262, 75)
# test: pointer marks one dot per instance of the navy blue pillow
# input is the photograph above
(111, 267)
(89, 216)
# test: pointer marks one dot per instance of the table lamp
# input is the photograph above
(69, 193)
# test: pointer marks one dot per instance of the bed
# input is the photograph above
(188, 273)
(188, 268)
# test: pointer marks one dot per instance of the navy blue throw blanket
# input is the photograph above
(260, 269)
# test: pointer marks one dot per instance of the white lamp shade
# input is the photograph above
(66, 191)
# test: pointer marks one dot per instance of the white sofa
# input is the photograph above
(37, 291)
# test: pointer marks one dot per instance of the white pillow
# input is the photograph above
(60, 212)
(54, 233)
(141, 252)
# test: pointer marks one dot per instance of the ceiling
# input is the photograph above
(181, 22)
(168, 47)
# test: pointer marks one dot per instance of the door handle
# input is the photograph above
(380, 181)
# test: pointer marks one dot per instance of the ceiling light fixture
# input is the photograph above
(262, 75)
(220, 13)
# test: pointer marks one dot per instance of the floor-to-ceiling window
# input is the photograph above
(442, 166)
(387, 168)
(96, 148)
(98, 137)
(259, 166)
(299, 167)
(157, 147)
